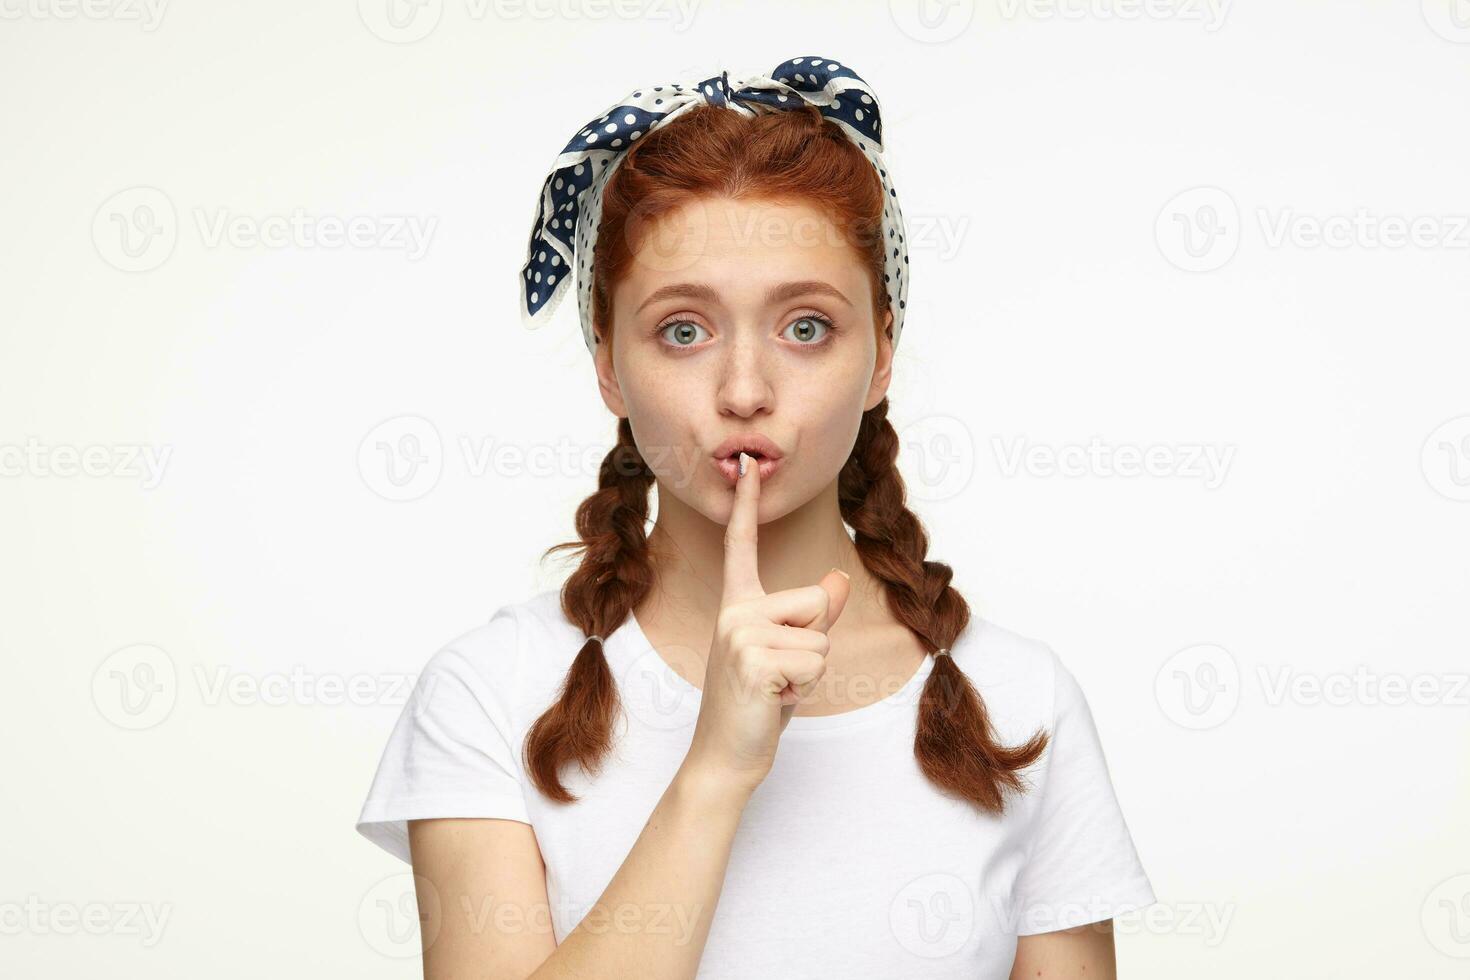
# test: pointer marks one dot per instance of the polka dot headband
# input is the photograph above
(569, 210)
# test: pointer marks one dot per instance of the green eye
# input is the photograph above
(684, 332)
(810, 328)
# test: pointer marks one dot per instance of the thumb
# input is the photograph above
(838, 586)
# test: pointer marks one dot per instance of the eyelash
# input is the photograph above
(827, 336)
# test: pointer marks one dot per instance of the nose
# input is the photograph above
(745, 387)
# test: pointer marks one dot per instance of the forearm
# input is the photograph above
(653, 918)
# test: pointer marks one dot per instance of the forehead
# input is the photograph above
(740, 248)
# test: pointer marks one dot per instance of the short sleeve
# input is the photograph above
(451, 752)
(1082, 865)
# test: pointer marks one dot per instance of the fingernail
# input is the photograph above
(742, 464)
(842, 573)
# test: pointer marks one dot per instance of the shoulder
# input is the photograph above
(999, 658)
(1018, 676)
(516, 658)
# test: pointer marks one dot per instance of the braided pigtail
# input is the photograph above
(956, 745)
(614, 576)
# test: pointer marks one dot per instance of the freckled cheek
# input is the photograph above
(670, 398)
(645, 382)
(829, 418)
(825, 441)
(662, 415)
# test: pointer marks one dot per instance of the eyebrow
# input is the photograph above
(777, 293)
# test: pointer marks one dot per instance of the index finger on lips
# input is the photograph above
(742, 570)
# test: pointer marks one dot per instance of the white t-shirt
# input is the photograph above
(847, 862)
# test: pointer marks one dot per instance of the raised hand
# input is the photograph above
(769, 650)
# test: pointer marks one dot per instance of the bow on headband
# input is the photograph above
(569, 210)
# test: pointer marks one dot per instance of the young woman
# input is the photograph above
(589, 785)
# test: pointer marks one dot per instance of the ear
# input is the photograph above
(882, 365)
(607, 379)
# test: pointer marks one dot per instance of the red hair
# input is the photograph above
(795, 154)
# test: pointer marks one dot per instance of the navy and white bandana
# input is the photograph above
(569, 211)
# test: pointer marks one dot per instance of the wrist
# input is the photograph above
(705, 787)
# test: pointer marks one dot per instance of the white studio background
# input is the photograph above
(1183, 384)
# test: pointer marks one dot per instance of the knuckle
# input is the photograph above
(813, 671)
(746, 659)
(809, 639)
(729, 619)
